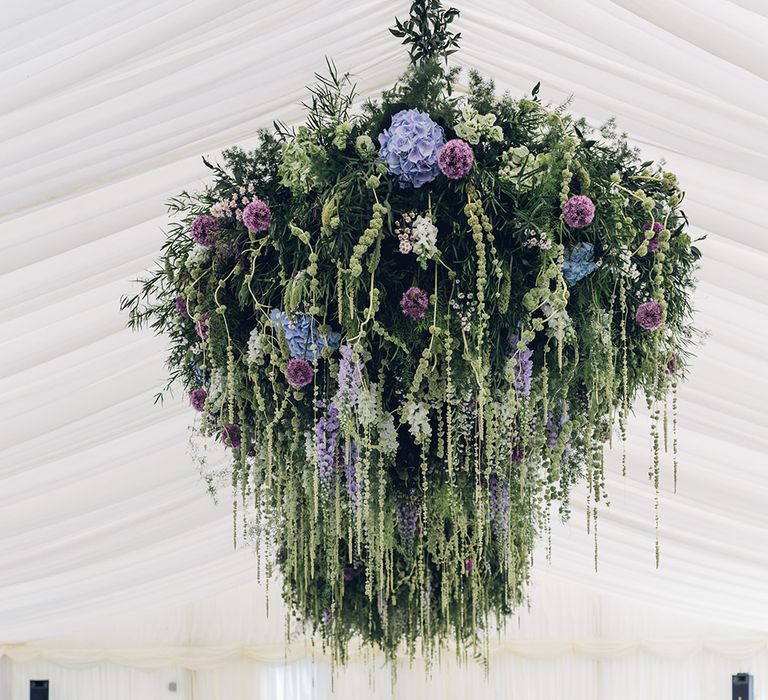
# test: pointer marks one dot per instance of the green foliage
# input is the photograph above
(443, 465)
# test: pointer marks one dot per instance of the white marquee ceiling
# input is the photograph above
(106, 108)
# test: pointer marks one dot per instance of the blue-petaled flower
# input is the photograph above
(303, 336)
(409, 147)
(579, 263)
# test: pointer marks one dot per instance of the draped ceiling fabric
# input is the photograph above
(105, 109)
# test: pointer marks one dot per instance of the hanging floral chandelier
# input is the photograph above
(415, 328)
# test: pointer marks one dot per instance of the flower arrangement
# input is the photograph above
(415, 328)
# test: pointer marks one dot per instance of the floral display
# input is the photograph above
(414, 326)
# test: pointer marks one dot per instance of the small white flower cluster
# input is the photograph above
(198, 256)
(416, 414)
(233, 207)
(536, 239)
(522, 167)
(628, 267)
(417, 234)
(558, 320)
(466, 309)
(256, 352)
(474, 126)
(216, 391)
(387, 435)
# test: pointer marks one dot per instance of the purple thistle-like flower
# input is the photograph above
(579, 211)
(230, 436)
(197, 399)
(649, 315)
(256, 216)
(326, 442)
(202, 228)
(455, 159)
(415, 303)
(653, 243)
(181, 306)
(299, 373)
(523, 368)
(410, 146)
(202, 327)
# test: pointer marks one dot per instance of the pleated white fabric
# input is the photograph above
(106, 108)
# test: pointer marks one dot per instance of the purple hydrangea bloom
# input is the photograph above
(197, 399)
(649, 315)
(299, 373)
(230, 436)
(415, 303)
(202, 228)
(523, 368)
(579, 263)
(579, 211)
(326, 442)
(653, 243)
(202, 327)
(181, 306)
(301, 334)
(410, 146)
(455, 159)
(256, 216)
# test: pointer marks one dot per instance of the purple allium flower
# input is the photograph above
(326, 442)
(455, 159)
(202, 327)
(469, 564)
(202, 227)
(197, 399)
(349, 573)
(523, 368)
(653, 243)
(256, 216)
(301, 333)
(409, 147)
(649, 315)
(230, 436)
(299, 373)
(415, 303)
(579, 211)
(181, 306)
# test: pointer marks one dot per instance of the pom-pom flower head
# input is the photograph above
(256, 216)
(410, 146)
(649, 315)
(455, 159)
(415, 303)
(197, 399)
(230, 436)
(579, 211)
(181, 306)
(299, 373)
(202, 228)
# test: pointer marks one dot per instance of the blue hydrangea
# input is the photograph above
(409, 147)
(302, 334)
(579, 263)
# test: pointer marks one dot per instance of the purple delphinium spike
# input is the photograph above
(326, 442)
(523, 368)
